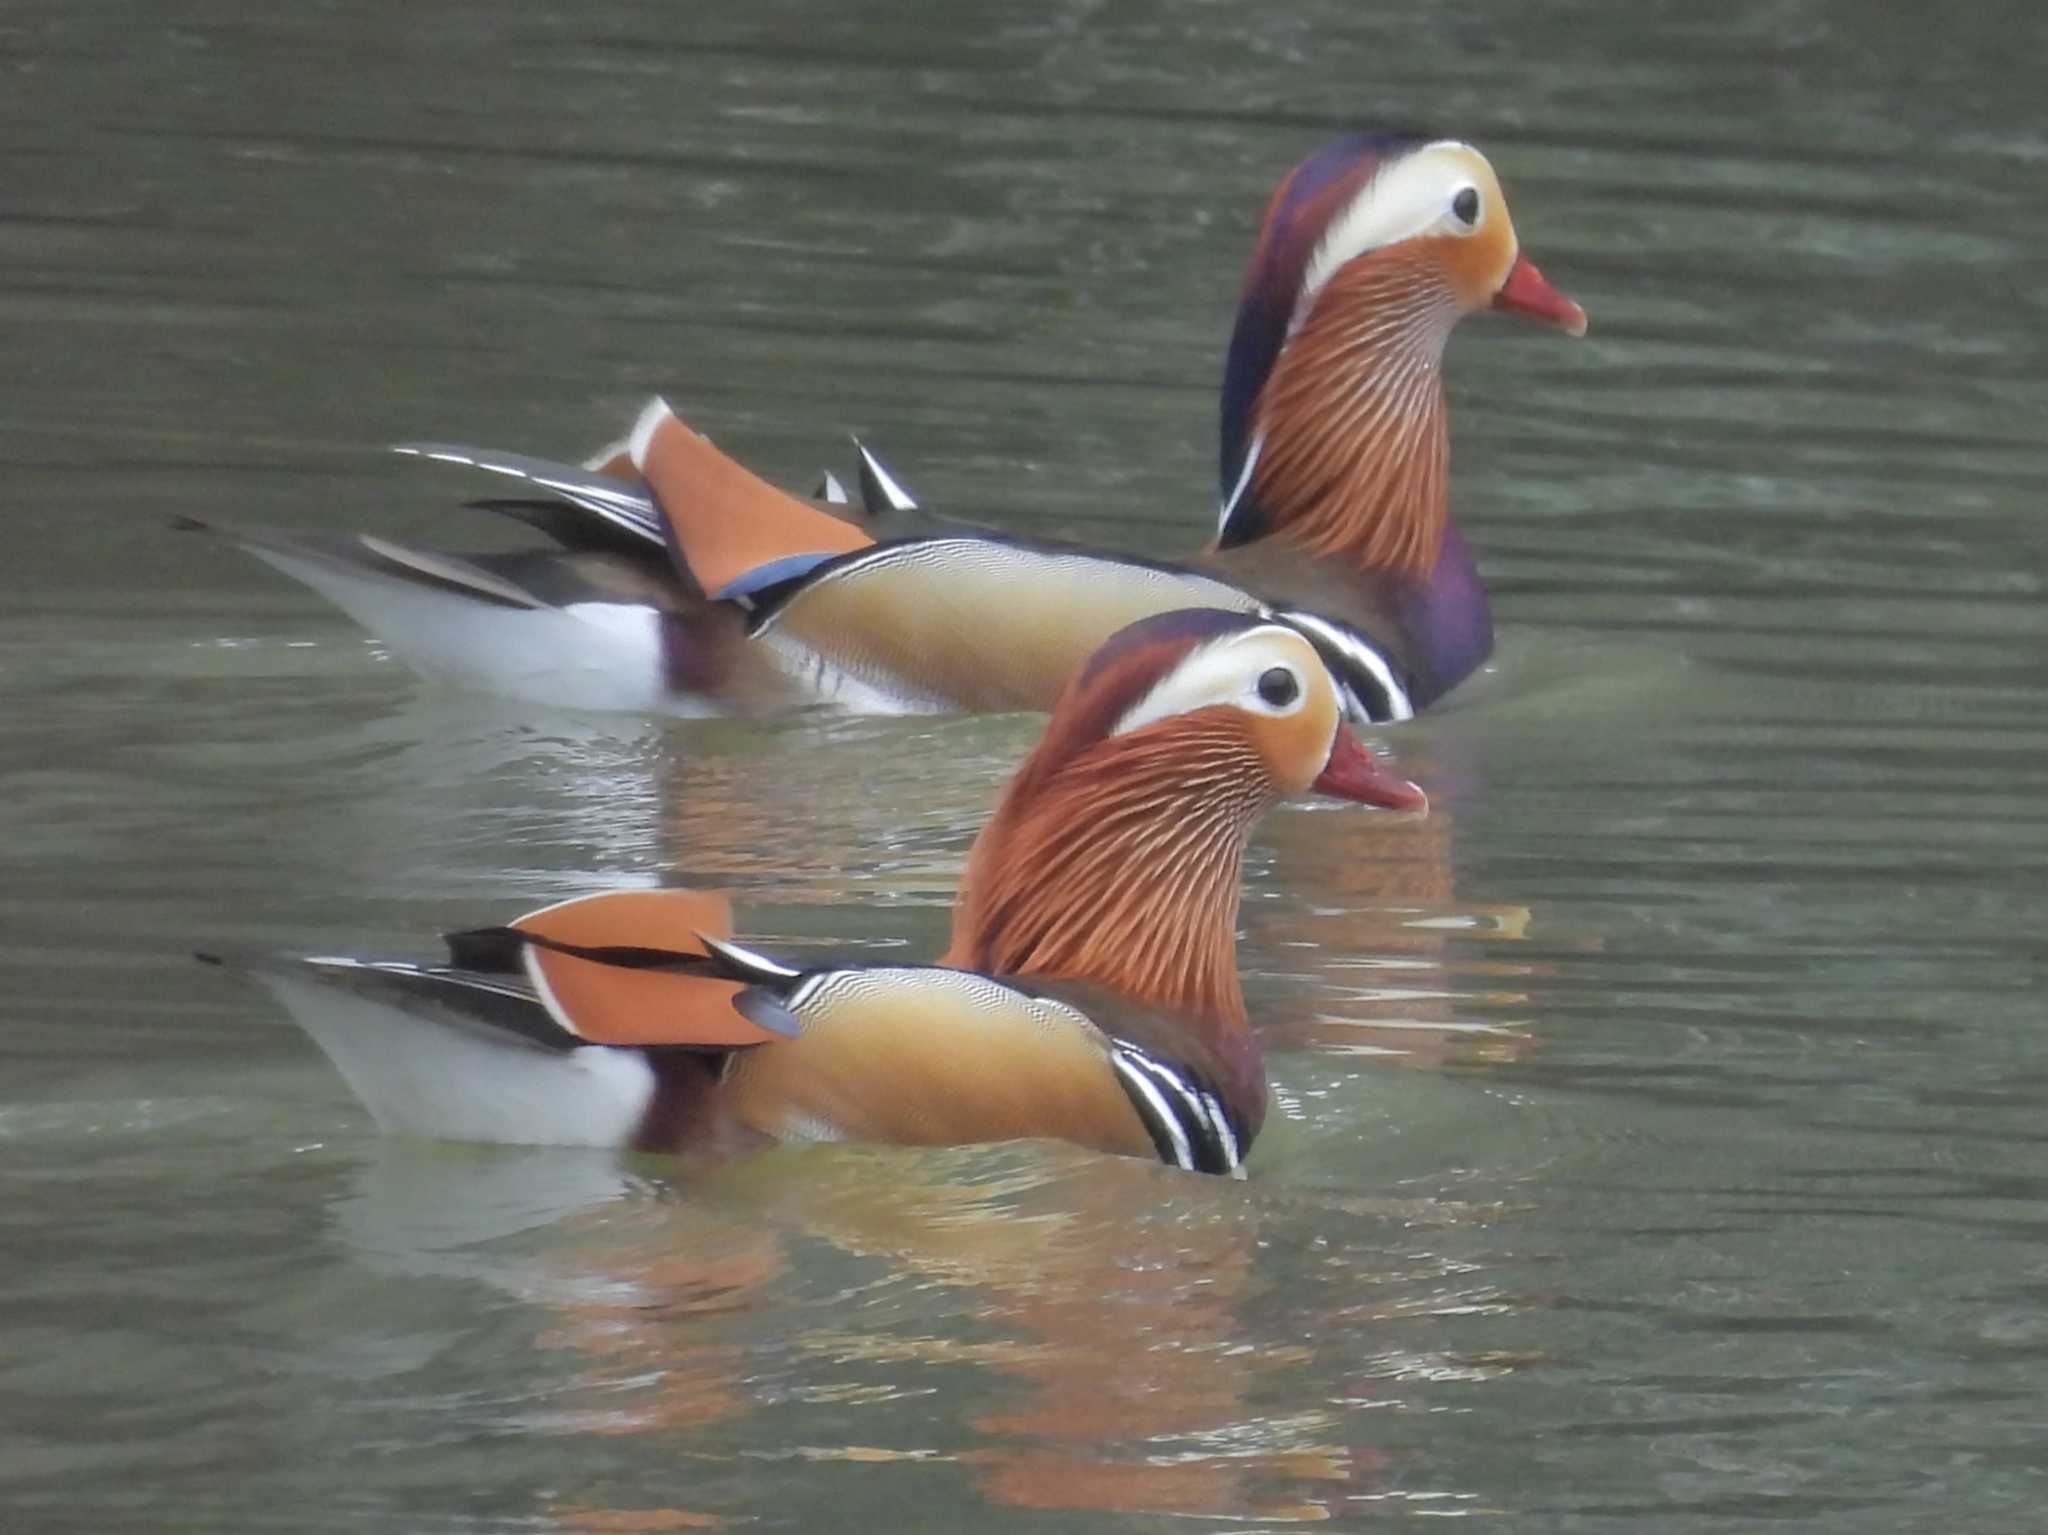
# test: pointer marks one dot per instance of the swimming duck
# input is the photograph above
(1090, 992)
(685, 583)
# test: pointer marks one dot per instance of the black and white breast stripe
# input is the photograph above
(1187, 1121)
(1372, 694)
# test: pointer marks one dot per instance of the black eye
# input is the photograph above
(1466, 206)
(1279, 687)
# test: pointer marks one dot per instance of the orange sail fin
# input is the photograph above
(640, 919)
(620, 1004)
(726, 520)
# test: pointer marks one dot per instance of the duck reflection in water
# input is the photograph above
(1107, 1328)
(1113, 1327)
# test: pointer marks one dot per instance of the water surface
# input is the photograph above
(1660, 1139)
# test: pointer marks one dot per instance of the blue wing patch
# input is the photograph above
(790, 567)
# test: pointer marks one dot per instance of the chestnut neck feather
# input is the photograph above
(1354, 457)
(1119, 864)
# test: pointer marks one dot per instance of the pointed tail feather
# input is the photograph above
(880, 491)
(621, 506)
(454, 620)
(365, 556)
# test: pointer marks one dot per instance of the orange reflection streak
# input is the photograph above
(647, 1521)
(810, 826)
(1139, 1345)
(699, 1383)
(1369, 929)
(1111, 1307)
(1107, 1301)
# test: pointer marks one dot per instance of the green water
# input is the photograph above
(1660, 1138)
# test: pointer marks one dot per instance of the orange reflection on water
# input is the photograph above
(1104, 1305)
(644, 1332)
(621, 1521)
(807, 819)
(1365, 942)
(1109, 1310)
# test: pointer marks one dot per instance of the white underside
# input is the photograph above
(821, 680)
(585, 656)
(430, 1075)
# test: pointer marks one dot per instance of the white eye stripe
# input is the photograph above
(1407, 198)
(1228, 671)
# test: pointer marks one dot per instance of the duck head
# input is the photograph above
(1333, 421)
(1114, 856)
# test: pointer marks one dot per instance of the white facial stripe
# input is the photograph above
(1408, 198)
(1227, 671)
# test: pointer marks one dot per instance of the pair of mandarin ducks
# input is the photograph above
(1090, 992)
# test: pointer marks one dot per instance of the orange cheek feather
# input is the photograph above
(1478, 265)
(1294, 749)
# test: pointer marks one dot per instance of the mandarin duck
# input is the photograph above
(686, 584)
(1090, 992)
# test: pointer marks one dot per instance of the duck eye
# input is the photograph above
(1279, 687)
(1465, 206)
